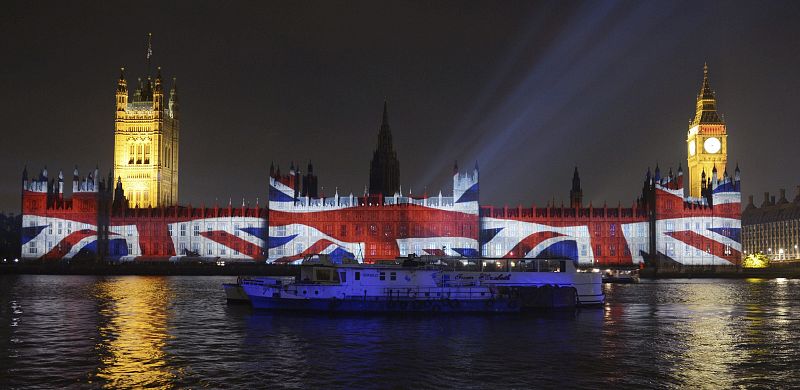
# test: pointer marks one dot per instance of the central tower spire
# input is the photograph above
(384, 170)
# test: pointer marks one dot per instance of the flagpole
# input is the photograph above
(149, 51)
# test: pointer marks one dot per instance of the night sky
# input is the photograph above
(528, 89)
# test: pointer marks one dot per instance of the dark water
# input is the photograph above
(86, 331)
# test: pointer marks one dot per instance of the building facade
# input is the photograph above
(773, 228)
(97, 222)
(662, 224)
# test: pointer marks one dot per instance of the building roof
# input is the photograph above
(706, 112)
(772, 213)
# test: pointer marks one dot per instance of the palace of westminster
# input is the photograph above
(146, 171)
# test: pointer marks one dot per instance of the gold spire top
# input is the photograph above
(706, 112)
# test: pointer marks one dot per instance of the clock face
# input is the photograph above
(712, 145)
(691, 148)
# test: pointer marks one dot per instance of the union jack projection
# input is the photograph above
(89, 224)
(662, 222)
(369, 228)
(704, 231)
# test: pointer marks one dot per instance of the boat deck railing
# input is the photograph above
(268, 281)
(484, 264)
(439, 293)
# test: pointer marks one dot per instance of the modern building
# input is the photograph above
(383, 223)
(773, 228)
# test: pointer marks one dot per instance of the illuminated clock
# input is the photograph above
(691, 148)
(712, 145)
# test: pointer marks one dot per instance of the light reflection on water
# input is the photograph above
(133, 331)
(62, 331)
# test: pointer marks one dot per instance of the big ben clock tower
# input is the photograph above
(706, 140)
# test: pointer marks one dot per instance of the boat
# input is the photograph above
(621, 276)
(234, 293)
(421, 285)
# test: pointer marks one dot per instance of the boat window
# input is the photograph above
(323, 274)
(382, 276)
(358, 275)
(393, 276)
(343, 277)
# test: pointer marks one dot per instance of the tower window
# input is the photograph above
(147, 154)
(139, 154)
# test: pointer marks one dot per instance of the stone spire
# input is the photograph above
(384, 172)
(576, 193)
(706, 110)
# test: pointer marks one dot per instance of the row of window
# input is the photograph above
(465, 230)
(139, 154)
(344, 230)
(183, 229)
(210, 249)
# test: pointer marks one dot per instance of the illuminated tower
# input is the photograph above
(146, 134)
(384, 169)
(707, 139)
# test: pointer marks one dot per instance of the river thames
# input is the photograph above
(172, 332)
